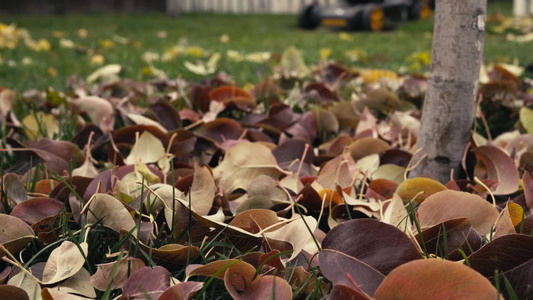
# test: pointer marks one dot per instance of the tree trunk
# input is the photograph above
(448, 112)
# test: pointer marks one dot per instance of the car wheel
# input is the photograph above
(306, 18)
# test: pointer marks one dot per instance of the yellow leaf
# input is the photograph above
(526, 118)
(97, 60)
(106, 44)
(40, 125)
(345, 37)
(418, 189)
(196, 51)
(52, 72)
(325, 53)
(373, 75)
(516, 212)
(82, 33)
(224, 38)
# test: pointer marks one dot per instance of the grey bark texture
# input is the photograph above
(449, 106)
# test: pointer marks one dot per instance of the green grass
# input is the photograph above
(247, 33)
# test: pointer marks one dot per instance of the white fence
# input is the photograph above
(240, 6)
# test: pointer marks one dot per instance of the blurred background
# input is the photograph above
(45, 42)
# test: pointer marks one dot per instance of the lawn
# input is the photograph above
(123, 39)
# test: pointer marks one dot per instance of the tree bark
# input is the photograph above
(448, 112)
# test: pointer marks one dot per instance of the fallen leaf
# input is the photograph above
(13, 292)
(105, 277)
(109, 212)
(36, 209)
(500, 167)
(449, 204)
(15, 235)
(435, 279)
(265, 287)
(182, 290)
(502, 254)
(382, 246)
(202, 191)
(99, 110)
(242, 163)
(343, 269)
(418, 189)
(146, 282)
(148, 149)
(27, 283)
(64, 262)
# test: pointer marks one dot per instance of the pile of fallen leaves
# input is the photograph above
(293, 188)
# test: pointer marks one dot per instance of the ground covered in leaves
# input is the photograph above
(295, 187)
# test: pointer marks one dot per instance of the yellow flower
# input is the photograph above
(325, 53)
(42, 45)
(372, 75)
(248, 86)
(356, 55)
(345, 37)
(59, 34)
(196, 51)
(52, 72)
(106, 44)
(83, 33)
(224, 38)
(27, 61)
(97, 60)
(423, 57)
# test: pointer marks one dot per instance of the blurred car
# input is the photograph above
(373, 15)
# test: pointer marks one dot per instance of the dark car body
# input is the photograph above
(359, 14)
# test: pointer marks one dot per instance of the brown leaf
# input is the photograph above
(243, 273)
(521, 280)
(447, 205)
(262, 217)
(499, 167)
(172, 254)
(14, 188)
(366, 146)
(382, 246)
(340, 268)
(448, 238)
(527, 181)
(338, 171)
(227, 94)
(502, 254)
(435, 279)
(146, 282)
(182, 290)
(326, 121)
(220, 130)
(15, 234)
(341, 292)
(36, 209)
(265, 287)
(13, 293)
(105, 277)
(167, 114)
